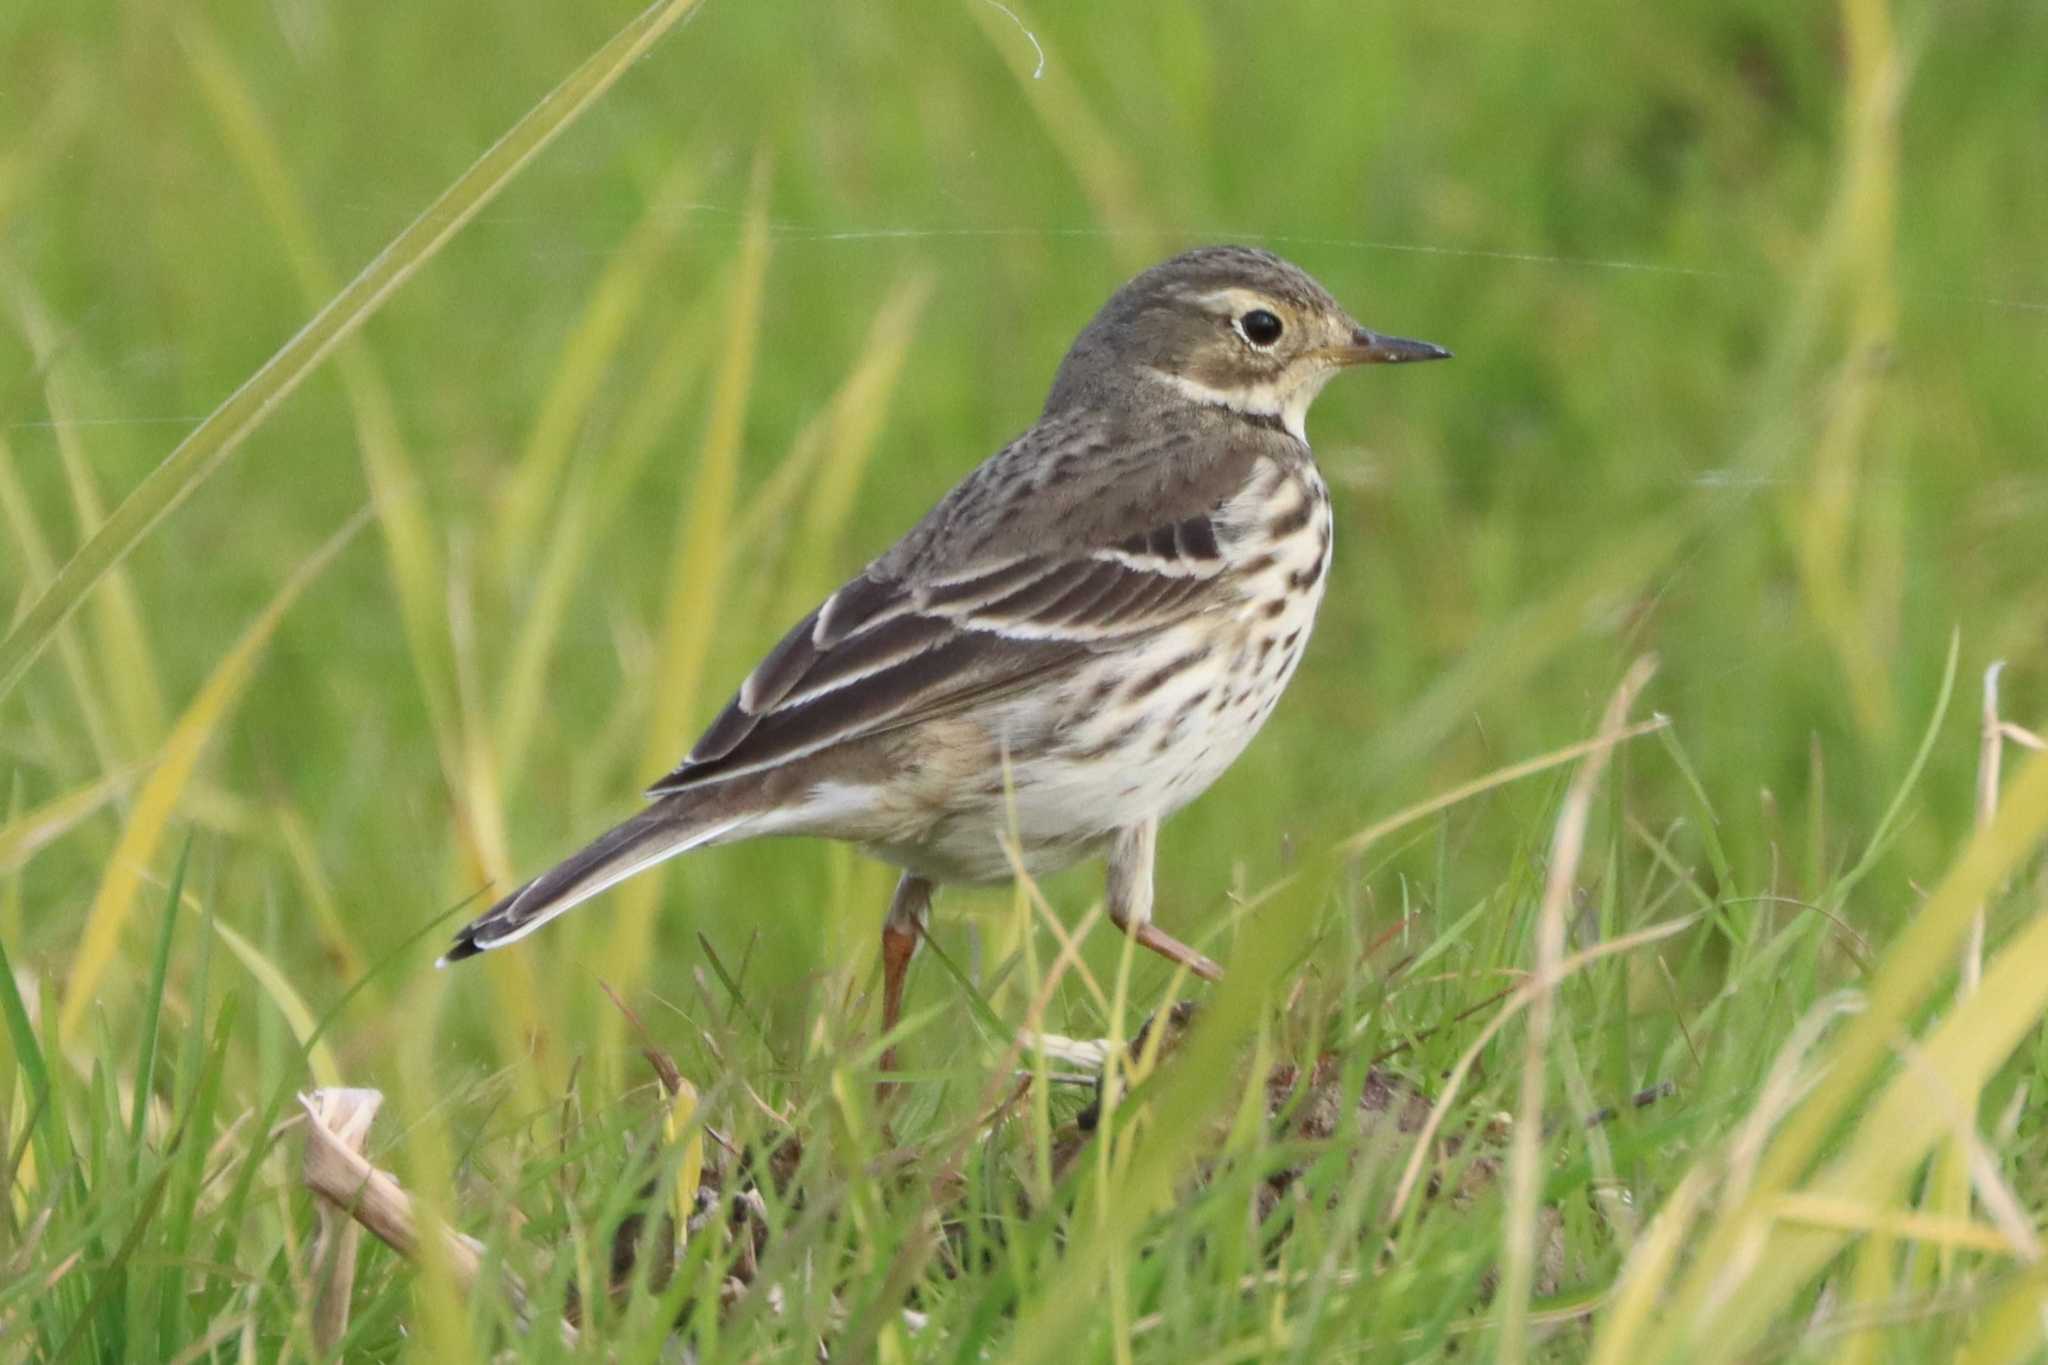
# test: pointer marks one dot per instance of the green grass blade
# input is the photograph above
(38, 568)
(154, 804)
(195, 1132)
(699, 560)
(278, 987)
(127, 660)
(586, 359)
(410, 540)
(202, 452)
(1880, 839)
(28, 1055)
(152, 1012)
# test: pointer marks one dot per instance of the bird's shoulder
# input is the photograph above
(1082, 482)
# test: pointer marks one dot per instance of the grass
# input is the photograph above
(1748, 332)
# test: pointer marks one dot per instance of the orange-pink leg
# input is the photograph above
(1130, 900)
(900, 933)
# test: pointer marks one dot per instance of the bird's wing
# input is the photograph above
(888, 651)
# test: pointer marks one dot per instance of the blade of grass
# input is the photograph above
(1895, 1134)
(2010, 1328)
(1520, 1233)
(38, 568)
(402, 515)
(111, 1277)
(588, 511)
(276, 985)
(524, 999)
(1912, 967)
(22, 837)
(1948, 1190)
(620, 294)
(1500, 777)
(1054, 1312)
(200, 1069)
(525, 676)
(154, 804)
(30, 1064)
(699, 562)
(319, 892)
(128, 663)
(1887, 825)
(152, 1013)
(1861, 265)
(202, 452)
(645, 423)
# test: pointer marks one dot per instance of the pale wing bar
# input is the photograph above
(880, 654)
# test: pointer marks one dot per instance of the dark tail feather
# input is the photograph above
(663, 830)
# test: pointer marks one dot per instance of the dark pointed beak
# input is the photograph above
(1370, 348)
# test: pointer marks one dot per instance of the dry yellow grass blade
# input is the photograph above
(1745, 1271)
(2012, 1327)
(25, 834)
(409, 542)
(1858, 259)
(648, 419)
(158, 798)
(524, 1001)
(681, 1123)
(620, 294)
(1650, 1263)
(213, 440)
(697, 571)
(127, 662)
(524, 678)
(38, 568)
(1421, 1152)
(586, 511)
(1500, 777)
(297, 1017)
(1868, 1288)
(1849, 1215)
(1949, 1189)
(444, 1294)
(1520, 1235)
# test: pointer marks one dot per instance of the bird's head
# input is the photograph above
(1232, 326)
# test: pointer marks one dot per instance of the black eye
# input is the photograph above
(1260, 327)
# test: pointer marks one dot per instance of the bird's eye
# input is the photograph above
(1260, 327)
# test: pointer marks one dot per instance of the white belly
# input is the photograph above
(1137, 735)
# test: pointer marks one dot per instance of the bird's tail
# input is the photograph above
(670, 826)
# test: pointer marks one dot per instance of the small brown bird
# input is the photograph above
(1071, 646)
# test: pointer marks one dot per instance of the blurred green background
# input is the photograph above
(1744, 376)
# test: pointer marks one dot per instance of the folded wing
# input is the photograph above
(883, 653)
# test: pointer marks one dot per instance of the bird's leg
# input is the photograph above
(1130, 900)
(908, 909)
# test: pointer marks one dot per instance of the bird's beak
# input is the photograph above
(1370, 348)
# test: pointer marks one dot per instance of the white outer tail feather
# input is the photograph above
(599, 880)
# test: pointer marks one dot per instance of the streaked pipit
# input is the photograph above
(1072, 645)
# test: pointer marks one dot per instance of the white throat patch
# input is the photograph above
(1260, 400)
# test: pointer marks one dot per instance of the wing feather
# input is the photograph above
(883, 653)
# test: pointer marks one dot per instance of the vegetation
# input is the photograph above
(1602, 909)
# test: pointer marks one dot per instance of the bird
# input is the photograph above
(1073, 643)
